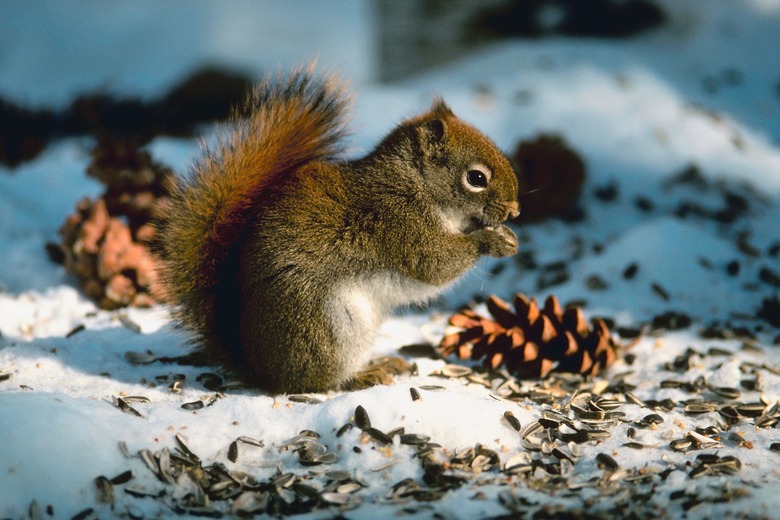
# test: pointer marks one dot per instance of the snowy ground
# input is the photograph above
(703, 91)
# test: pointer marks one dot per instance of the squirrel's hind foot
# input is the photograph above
(379, 371)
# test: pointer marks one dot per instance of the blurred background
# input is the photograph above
(60, 45)
(74, 67)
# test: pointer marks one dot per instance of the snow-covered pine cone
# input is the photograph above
(106, 241)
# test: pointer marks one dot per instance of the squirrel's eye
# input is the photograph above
(476, 179)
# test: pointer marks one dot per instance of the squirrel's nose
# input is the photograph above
(513, 209)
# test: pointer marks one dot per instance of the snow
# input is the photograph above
(638, 111)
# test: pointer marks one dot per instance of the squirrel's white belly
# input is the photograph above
(358, 306)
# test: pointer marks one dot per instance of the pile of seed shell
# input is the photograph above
(531, 341)
(567, 453)
(106, 242)
(212, 489)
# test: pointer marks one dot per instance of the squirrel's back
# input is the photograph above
(286, 123)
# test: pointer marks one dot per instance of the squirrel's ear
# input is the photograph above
(441, 109)
(431, 134)
(432, 131)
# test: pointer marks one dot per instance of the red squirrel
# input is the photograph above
(283, 259)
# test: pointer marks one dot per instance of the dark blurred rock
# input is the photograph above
(593, 18)
(550, 175)
(206, 96)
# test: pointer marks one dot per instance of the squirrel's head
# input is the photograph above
(469, 178)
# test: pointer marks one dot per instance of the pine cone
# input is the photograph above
(106, 242)
(529, 341)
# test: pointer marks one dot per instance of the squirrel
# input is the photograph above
(283, 259)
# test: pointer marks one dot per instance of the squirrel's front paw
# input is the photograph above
(498, 241)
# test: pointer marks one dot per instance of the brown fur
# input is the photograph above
(283, 260)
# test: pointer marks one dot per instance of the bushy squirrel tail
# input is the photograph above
(285, 123)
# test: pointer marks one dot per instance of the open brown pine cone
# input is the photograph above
(531, 341)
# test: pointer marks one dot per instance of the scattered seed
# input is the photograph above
(124, 449)
(344, 429)
(671, 320)
(75, 330)
(699, 408)
(249, 503)
(750, 385)
(635, 400)
(283, 480)
(729, 413)
(607, 462)
(715, 351)
(339, 499)
(129, 324)
(588, 414)
(105, 490)
(86, 514)
(420, 350)
(644, 204)
(306, 399)
(560, 455)
(740, 440)
(396, 432)
(326, 458)
(607, 192)
(250, 441)
(195, 405)
(383, 467)
(477, 379)
(6, 373)
(210, 381)
(519, 464)
(549, 423)
(513, 421)
(122, 478)
(751, 409)
(605, 404)
(415, 394)
(727, 392)
(681, 444)
(702, 441)
(338, 475)
(652, 418)
(378, 435)
(414, 439)
(769, 277)
(480, 463)
(660, 291)
(361, 418)
(595, 282)
(139, 358)
(136, 399)
(232, 454)
(432, 388)
(122, 405)
(454, 371)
